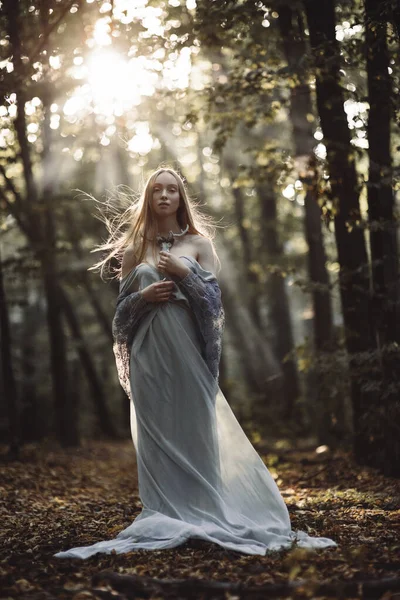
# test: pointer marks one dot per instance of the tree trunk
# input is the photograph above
(278, 301)
(330, 426)
(46, 235)
(300, 108)
(102, 318)
(66, 429)
(260, 368)
(354, 271)
(247, 249)
(383, 238)
(75, 394)
(33, 427)
(58, 356)
(200, 180)
(99, 399)
(102, 411)
(253, 287)
(98, 394)
(7, 372)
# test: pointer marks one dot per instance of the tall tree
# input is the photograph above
(9, 387)
(383, 238)
(383, 234)
(35, 216)
(353, 260)
(278, 301)
(247, 248)
(329, 425)
(43, 223)
(301, 107)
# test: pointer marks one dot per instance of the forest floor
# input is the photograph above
(54, 499)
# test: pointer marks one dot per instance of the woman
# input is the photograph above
(199, 476)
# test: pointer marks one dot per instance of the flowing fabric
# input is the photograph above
(199, 475)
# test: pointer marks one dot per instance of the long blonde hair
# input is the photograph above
(130, 222)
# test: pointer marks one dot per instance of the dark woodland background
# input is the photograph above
(284, 118)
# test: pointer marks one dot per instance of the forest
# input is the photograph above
(283, 118)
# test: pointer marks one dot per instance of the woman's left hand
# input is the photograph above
(168, 263)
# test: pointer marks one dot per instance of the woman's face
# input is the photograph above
(165, 195)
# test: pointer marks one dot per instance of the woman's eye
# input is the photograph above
(159, 189)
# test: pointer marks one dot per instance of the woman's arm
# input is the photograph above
(204, 295)
(202, 288)
(206, 257)
(131, 308)
(129, 261)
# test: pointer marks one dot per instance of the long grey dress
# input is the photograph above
(199, 476)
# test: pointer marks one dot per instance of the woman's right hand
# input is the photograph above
(159, 291)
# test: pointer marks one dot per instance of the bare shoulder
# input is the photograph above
(206, 255)
(129, 261)
(201, 242)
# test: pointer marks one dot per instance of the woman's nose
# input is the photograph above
(163, 193)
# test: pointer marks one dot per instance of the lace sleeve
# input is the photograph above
(130, 309)
(204, 296)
